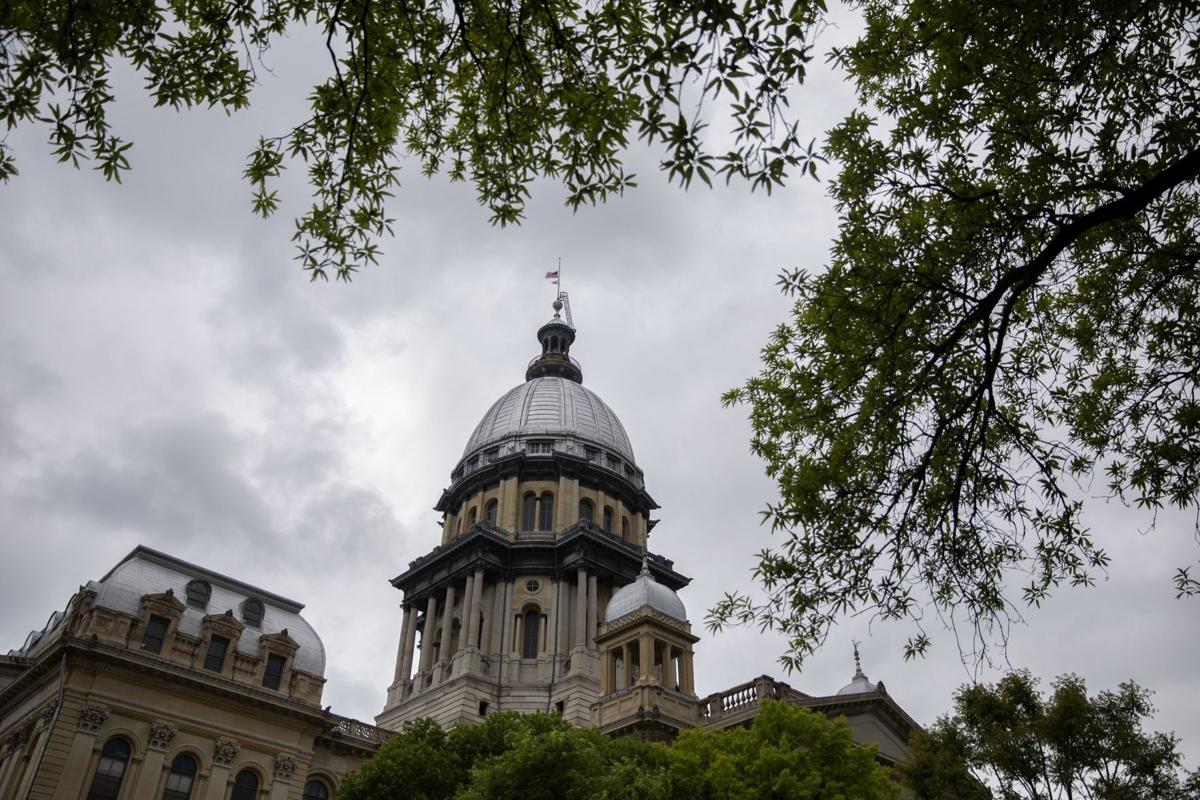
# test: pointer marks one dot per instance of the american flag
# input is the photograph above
(552, 276)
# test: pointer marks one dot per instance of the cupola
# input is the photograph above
(556, 337)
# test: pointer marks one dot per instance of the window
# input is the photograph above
(490, 511)
(252, 612)
(315, 790)
(483, 708)
(532, 586)
(531, 623)
(156, 633)
(560, 706)
(528, 511)
(273, 674)
(180, 778)
(245, 786)
(114, 758)
(471, 515)
(198, 593)
(540, 448)
(624, 527)
(587, 511)
(546, 516)
(593, 455)
(608, 519)
(214, 659)
(614, 463)
(491, 455)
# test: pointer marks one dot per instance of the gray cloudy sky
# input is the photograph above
(169, 376)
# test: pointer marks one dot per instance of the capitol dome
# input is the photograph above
(645, 591)
(859, 684)
(552, 408)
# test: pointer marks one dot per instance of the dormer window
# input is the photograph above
(273, 674)
(252, 612)
(214, 659)
(491, 455)
(198, 593)
(541, 448)
(155, 633)
(593, 454)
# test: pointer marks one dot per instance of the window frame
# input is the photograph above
(326, 792)
(491, 511)
(245, 791)
(608, 520)
(211, 658)
(253, 612)
(545, 515)
(591, 510)
(170, 793)
(198, 593)
(274, 658)
(529, 515)
(113, 793)
(535, 614)
(151, 621)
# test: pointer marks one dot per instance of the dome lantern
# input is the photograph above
(556, 338)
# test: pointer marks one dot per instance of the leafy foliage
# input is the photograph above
(1011, 310)
(788, 754)
(498, 94)
(1023, 745)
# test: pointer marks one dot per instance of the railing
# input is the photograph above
(353, 729)
(744, 696)
(553, 357)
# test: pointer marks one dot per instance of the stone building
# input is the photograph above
(543, 596)
(166, 680)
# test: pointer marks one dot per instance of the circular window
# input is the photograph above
(532, 586)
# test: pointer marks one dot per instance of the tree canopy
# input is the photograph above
(497, 94)
(787, 753)
(1010, 741)
(1010, 317)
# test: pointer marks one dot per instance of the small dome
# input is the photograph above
(859, 684)
(645, 591)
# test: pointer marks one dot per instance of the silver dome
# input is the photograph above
(645, 591)
(859, 684)
(551, 406)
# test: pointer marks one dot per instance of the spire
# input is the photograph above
(556, 338)
(858, 673)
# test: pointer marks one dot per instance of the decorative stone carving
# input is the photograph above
(92, 717)
(161, 734)
(48, 713)
(20, 737)
(225, 751)
(285, 767)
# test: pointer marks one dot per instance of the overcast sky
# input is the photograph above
(169, 376)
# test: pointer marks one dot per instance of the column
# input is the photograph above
(447, 625)
(499, 617)
(488, 602)
(218, 781)
(77, 768)
(473, 621)
(150, 774)
(511, 503)
(646, 657)
(505, 638)
(410, 641)
(428, 634)
(562, 605)
(403, 670)
(468, 612)
(591, 611)
(574, 499)
(563, 514)
(581, 582)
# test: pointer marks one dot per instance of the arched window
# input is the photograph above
(180, 778)
(245, 786)
(528, 511)
(315, 790)
(198, 593)
(110, 771)
(471, 515)
(587, 511)
(531, 623)
(546, 513)
(252, 612)
(624, 527)
(608, 519)
(490, 511)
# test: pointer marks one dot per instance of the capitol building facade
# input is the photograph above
(163, 679)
